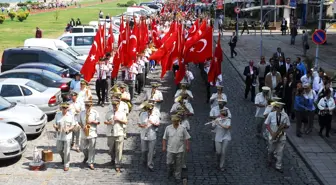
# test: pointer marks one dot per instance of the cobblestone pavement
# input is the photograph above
(246, 159)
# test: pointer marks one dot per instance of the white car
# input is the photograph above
(28, 118)
(26, 91)
(13, 141)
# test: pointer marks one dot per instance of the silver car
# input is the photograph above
(27, 117)
(26, 91)
(13, 141)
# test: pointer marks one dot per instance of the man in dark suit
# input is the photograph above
(269, 66)
(289, 66)
(282, 66)
(278, 54)
(233, 43)
(251, 73)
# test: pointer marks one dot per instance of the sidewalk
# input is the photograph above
(318, 153)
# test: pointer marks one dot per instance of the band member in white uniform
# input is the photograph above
(114, 120)
(222, 126)
(85, 92)
(76, 107)
(276, 124)
(64, 123)
(89, 120)
(155, 95)
(175, 138)
(181, 102)
(185, 90)
(219, 95)
(260, 102)
(148, 122)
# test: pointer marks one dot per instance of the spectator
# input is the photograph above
(326, 106)
(78, 22)
(262, 69)
(38, 33)
(305, 44)
(272, 79)
(310, 97)
(300, 108)
(293, 34)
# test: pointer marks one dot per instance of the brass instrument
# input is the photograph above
(152, 95)
(87, 126)
(279, 133)
(215, 121)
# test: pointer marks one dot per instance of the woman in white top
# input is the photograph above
(326, 106)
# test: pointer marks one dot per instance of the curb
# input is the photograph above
(314, 171)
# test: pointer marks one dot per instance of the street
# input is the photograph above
(246, 159)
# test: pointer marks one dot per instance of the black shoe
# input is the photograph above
(98, 102)
(151, 169)
(102, 104)
(320, 134)
(298, 135)
(236, 54)
(327, 135)
(112, 162)
(85, 160)
(280, 170)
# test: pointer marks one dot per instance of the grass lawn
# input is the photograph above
(13, 33)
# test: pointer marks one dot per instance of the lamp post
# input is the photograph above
(319, 27)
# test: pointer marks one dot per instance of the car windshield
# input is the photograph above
(73, 51)
(63, 57)
(52, 76)
(36, 86)
(5, 104)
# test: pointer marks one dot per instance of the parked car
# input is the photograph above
(150, 5)
(54, 44)
(41, 76)
(83, 29)
(82, 42)
(28, 118)
(132, 9)
(15, 56)
(45, 66)
(25, 91)
(13, 141)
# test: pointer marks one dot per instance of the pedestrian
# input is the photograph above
(130, 78)
(38, 33)
(140, 75)
(251, 75)
(261, 72)
(283, 26)
(277, 120)
(101, 14)
(64, 123)
(310, 98)
(293, 33)
(305, 44)
(75, 83)
(114, 121)
(300, 109)
(149, 121)
(89, 120)
(175, 138)
(76, 107)
(326, 106)
(232, 44)
(245, 27)
(272, 79)
(261, 102)
(78, 22)
(72, 22)
(101, 82)
(222, 137)
(108, 64)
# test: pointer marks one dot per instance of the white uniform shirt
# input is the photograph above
(272, 121)
(93, 116)
(177, 104)
(215, 112)
(131, 72)
(178, 93)
(260, 99)
(185, 123)
(175, 138)
(222, 134)
(157, 97)
(101, 71)
(64, 122)
(76, 108)
(214, 98)
(115, 129)
(306, 80)
(140, 66)
(84, 95)
(126, 96)
(188, 77)
(148, 133)
(326, 103)
(317, 82)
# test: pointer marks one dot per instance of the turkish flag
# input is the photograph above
(89, 68)
(180, 72)
(156, 39)
(165, 48)
(172, 29)
(162, 10)
(121, 30)
(110, 40)
(196, 37)
(132, 45)
(193, 29)
(102, 38)
(201, 50)
(164, 63)
(143, 36)
(216, 64)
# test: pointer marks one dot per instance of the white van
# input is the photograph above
(82, 42)
(54, 44)
(138, 9)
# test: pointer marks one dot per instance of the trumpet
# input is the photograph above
(216, 121)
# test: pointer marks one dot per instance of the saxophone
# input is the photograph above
(279, 133)
(152, 95)
(87, 125)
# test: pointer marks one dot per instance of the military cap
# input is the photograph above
(274, 98)
(149, 106)
(184, 84)
(265, 88)
(83, 82)
(175, 117)
(77, 74)
(64, 105)
(277, 104)
(219, 87)
(115, 102)
(73, 93)
(122, 85)
(154, 84)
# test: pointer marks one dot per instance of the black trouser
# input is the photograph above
(299, 118)
(175, 68)
(245, 28)
(261, 83)
(140, 82)
(233, 51)
(248, 88)
(101, 88)
(325, 121)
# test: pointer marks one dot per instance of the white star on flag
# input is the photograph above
(192, 49)
(92, 58)
(215, 59)
(109, 35)
(134, 50)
